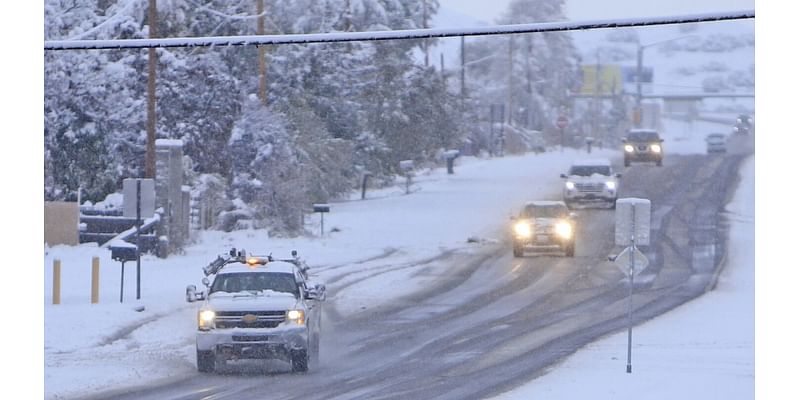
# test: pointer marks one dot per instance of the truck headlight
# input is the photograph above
(611, 185)
(296, 316)
(522, 229)
(564, 229)
(205, 319)
(656, 148)
(629, 148)
(570, 185)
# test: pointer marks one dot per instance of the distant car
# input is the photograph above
(591, 181)
(544, 226)
(716, 143)
(744, 119)
(744, 124)
(643, 145)
(741, 129)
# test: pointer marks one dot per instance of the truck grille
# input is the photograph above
(589, 187)
(250, 338)
(236, 319)
(643, 147)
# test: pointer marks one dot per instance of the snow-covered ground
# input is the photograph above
(88, 347)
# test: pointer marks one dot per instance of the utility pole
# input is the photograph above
(262, 63)
(441, 65)
(596, 111)
(463, 73)
(150, 147)
(510, 77)
(528, 78)
(425, 26)
(638, 111)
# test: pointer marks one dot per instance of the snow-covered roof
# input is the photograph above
(593, 161)
(274, 266)
(642, 130)
(545, 203)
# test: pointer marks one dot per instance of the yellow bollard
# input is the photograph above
(56, 281)
(95, 279)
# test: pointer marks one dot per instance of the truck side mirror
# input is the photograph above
(192, 295)
(316, 293)
(206, 282)
(563, 175)
(618, 175)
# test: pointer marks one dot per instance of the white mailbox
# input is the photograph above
(632, 219)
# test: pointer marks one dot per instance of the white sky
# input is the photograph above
(595, 9)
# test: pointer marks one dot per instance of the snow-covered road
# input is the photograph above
(384, 249)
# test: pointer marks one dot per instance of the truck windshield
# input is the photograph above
(589, 170)
(554, 211)
(643, 136)
(255, 281)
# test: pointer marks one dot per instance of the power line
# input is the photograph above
(254, 40)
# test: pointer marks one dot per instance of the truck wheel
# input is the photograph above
(627, 162)
(570, 250)
(517, 250)
(299, 360)
(658, 163)
(205, 361)
(315, 353)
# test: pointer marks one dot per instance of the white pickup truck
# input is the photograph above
(257, 307)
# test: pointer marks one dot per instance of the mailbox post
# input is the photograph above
(322, 209)
(123, 252)
(450, 156)
(407, 166)
(366, 176)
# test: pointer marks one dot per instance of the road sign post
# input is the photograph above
(633, 222)
(138, 239)
(561, 123)
(630, 304)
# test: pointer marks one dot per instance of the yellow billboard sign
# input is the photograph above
(601, 79)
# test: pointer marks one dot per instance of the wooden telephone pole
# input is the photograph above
(262, 62)
(425, 26)
(150, 149)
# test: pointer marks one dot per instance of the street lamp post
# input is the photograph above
(639, 60)
(639, 55)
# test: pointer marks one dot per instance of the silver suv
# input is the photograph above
(257, 308)
(591, 182)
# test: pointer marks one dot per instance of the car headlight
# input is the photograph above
(611, 185)
(629, 148)
(522, 229)
(570, 185)
(296, 316)
(564, 229)
(205, 319)
(656, 148)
